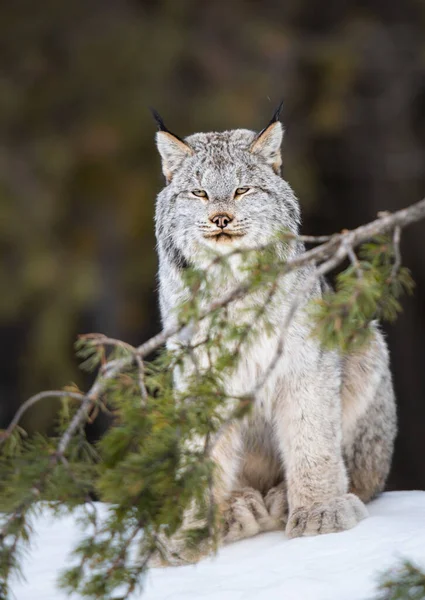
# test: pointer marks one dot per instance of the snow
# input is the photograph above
(341, 566)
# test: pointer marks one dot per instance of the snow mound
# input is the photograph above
(341, 566)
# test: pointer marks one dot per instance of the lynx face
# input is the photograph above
(223, 191)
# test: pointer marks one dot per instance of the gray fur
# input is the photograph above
(320, 438)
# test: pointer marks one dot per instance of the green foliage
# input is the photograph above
(406, 582)
(153, 465)
(366, 291)
(143, 467)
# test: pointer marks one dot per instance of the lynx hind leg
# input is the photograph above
(248, 513)
(369, 449)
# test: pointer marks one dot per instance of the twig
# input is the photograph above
(397, 252)
(310, 239)
(33, 400)
(355, 262)
(98, 339)
(141, 377)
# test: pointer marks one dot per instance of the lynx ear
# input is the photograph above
(268, 142)
(173, 150)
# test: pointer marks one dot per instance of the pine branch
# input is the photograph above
(330, 252)
(337, 246)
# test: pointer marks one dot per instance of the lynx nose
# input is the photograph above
(222, 220)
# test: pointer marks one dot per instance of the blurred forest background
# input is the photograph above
(79, 171)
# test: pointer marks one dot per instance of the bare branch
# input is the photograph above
(141, 378)
(310, 239)
(355, 262)
(397, 252)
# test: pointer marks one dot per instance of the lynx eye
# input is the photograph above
(200, 193)
(242, 190)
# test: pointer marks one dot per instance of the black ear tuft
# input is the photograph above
(158, 120)
(275, 119)
(276, 114)
(161, 124)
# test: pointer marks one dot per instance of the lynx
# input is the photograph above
(319, 441)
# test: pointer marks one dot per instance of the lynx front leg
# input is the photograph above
(308, 424)
(337, 514)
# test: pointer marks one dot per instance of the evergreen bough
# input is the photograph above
(405, 582)
(143, 467)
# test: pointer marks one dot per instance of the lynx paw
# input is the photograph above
(334, 515)
(176, 552)
(245, 516)
(276, 503)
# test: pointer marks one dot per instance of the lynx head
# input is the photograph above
(223, 190)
